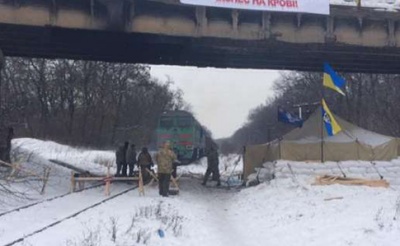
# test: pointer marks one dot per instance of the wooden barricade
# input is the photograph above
(108, 179)
(16, 168)
(173, 180)
(175, 183)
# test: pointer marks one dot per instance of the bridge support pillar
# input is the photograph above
(330, 37)
(266, 24)
(392, 33)
(201, 19)
(118, 13)
(235, 19)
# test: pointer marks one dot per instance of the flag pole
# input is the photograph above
(322, 122)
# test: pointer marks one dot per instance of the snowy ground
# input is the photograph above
(285, 211)
(281, 213)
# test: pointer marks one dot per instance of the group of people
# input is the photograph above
(165, 158)
(126, 157)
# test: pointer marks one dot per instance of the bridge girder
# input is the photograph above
(166, 32)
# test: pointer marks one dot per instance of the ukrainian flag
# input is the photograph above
(331, 126)
(332, 80)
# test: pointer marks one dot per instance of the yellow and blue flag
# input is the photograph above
(331, 125)
(332, 80)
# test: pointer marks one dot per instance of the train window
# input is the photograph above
(184, 122)
(166, 122)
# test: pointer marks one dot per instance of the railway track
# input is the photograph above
(72, 215)
(48, 200)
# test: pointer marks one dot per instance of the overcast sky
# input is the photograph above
(220, 98)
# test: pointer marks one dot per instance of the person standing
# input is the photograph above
(212, 166)
(124, 164)
(145, 162)
(120, 157)
(165, 159)
(6, 135)
(131, 158)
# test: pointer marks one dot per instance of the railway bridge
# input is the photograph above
(167, 32)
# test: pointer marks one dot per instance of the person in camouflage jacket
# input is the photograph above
(165, 159)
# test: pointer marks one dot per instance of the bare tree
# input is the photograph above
(84, 102)
(370, 101)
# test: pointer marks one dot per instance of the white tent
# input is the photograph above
(306, 144)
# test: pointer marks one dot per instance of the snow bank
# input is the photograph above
(283, 213)
(28, 187)
(390, 171)
(94, 161)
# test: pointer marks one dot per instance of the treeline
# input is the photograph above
(83, 102)
(371, 102)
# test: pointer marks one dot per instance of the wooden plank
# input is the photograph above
(73, 183)
(175, 183)
(124, 178)
(141, 189)
(69, 166)
(329, 180)
(45, 179)
(108, 182)
(152, 174)
(111, 178)
(333, 198)
(16, 167)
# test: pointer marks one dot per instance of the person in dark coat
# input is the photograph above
(145, 162)
(6, 135)
(131, 158)
(120, 156)
(124, 163)
(119, 159)
(212, 166)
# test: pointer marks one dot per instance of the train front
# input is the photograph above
(185, 134)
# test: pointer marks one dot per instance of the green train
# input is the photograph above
(189, 139)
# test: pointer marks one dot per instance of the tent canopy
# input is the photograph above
(304, 144)
(311, 133)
